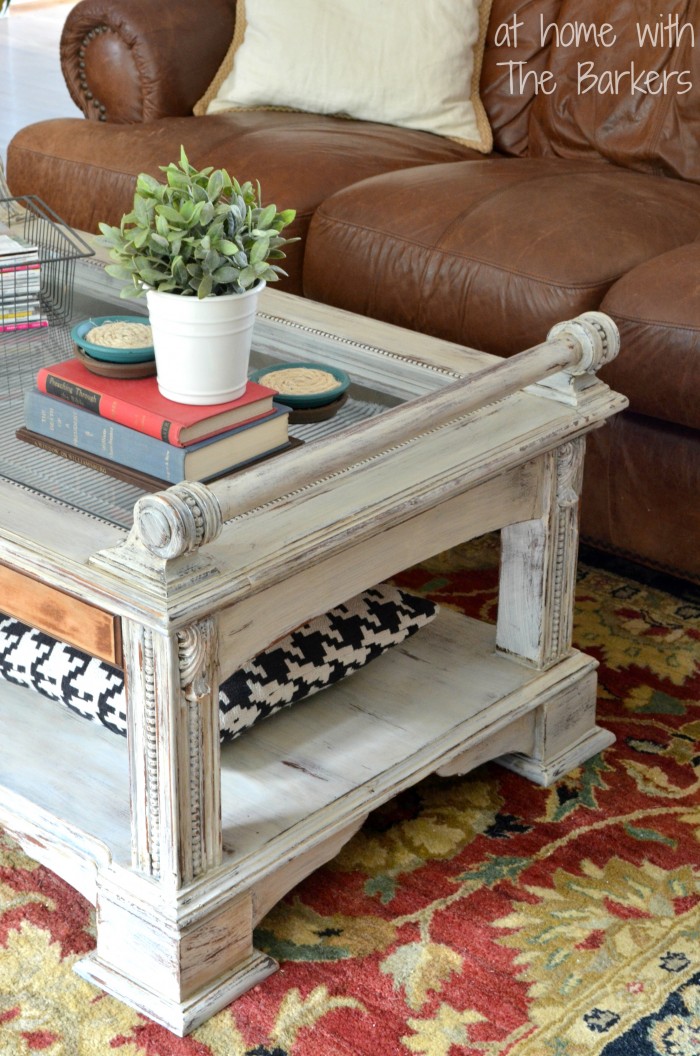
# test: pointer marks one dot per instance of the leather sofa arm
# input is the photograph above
(129, 61)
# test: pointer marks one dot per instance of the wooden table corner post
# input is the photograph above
(538, 576)
(171, 941)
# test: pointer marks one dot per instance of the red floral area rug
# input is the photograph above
(478, 915)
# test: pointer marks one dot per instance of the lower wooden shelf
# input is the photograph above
(445, 700)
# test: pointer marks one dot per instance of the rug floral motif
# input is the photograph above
(471, 915)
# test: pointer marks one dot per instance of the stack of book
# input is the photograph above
(20, 284)
(127, 429)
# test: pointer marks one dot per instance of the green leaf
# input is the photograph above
(215, 185)
(205, 287)
(270, 274)
(142, 211)
(259, 251)
(187, 210)
(147, 184)
(227, 248)
(206, 214)
(169, 213)
(118, 271)
(225, 274)
(162, 226)
(211, 262)
(150, 276)
(177, 180)
(267, 216)
(247, 277)
(179, 271)
(131, 292)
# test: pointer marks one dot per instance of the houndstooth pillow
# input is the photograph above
(315, 655)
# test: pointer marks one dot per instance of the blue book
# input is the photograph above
(88, 432)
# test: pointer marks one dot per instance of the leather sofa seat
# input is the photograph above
(639, 473)
(648, 457)
(300, 159)
(657, 309)
(491, 253)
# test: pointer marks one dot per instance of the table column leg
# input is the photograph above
(172, 941)
(174, 752)
(535, 618)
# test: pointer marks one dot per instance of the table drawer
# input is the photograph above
(60, 615)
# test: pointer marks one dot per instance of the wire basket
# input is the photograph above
(37, 286)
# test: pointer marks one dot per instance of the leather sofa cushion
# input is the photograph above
(640, 493)
(651, 126)
(509, 111)
(491, 253)
(86, 171)
(657, 309)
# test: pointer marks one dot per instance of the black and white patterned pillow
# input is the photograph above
(90, 687)
(313, 656)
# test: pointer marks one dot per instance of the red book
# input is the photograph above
(139, 405)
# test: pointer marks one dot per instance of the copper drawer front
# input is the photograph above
(60, 615)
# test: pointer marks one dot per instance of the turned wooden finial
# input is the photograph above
(597, 337)
(179, 520)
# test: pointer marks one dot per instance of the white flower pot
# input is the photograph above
(202, 347)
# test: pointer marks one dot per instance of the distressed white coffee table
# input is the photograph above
(182, 846)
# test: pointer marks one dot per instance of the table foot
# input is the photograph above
(180, 1017)
(546, 772)
(564, 734)
(556, 733)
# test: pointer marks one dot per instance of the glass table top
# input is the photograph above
(82, 487)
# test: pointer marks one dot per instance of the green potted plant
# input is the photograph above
(201, 247)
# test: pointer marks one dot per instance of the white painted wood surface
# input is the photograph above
(183, 846)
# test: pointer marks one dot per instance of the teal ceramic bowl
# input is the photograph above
(305, 399)
(108, 354)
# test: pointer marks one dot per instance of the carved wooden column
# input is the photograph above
(170, 941)
(538, 557)
(538, 567)
(172, 677)
(538, 579)
(174, 751)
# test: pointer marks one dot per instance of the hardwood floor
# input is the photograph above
(31, 83)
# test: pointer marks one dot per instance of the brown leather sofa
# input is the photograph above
(590, 199)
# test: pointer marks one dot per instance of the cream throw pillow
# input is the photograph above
(412, 63)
